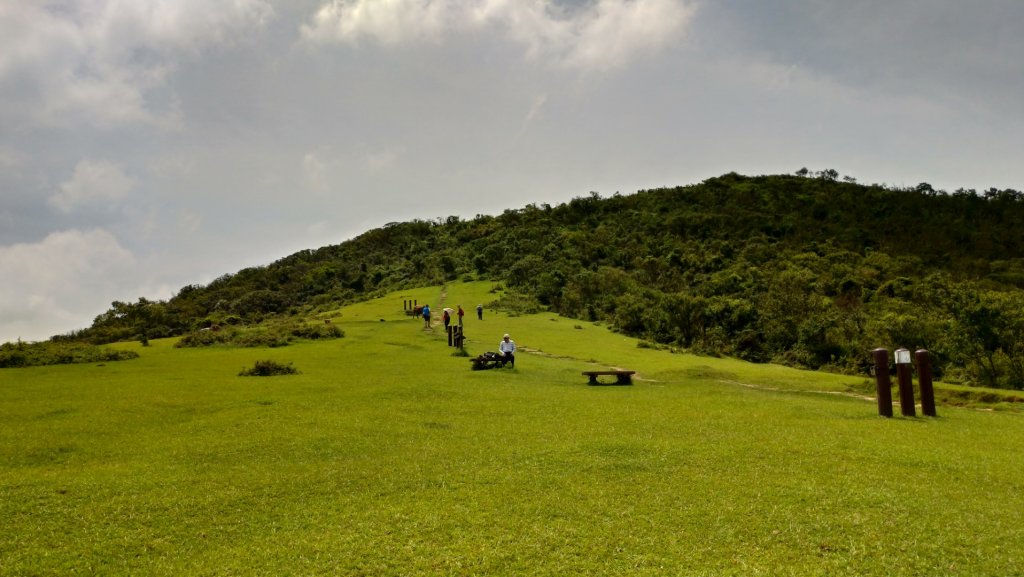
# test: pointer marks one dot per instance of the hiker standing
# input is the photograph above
(460, 313)
(480, 312)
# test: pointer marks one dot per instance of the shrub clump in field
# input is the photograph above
(314, 332)
(268, 334)
(206, 338)
(268, 369)
(21, 354)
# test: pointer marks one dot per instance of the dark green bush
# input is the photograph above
(205, 338)
(13, 355)
(268, 369)
(314, 332)
(261, 337)
(268, 334)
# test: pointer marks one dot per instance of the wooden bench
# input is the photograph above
(621, 377)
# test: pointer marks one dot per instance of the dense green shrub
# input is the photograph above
(206, 337)
(21, 354)
(317, 331)
(261, 337)
(268, 334)
(268, 369)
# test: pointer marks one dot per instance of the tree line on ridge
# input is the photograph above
(808, 270)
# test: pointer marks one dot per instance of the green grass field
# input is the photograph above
(388, 456)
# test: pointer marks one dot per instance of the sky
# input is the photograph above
(146, 145)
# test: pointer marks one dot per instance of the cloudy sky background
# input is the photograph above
(150, 144)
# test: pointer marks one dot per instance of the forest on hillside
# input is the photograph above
(808, 270)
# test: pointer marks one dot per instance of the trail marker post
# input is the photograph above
(906, 387)
(924, 379)
(882, 382)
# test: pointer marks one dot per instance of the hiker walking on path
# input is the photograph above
(507, 348)
(447, 318)
(426, 316)
(480, 312)
(460, 313)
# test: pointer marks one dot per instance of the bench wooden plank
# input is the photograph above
(482, 362)
(621, 377)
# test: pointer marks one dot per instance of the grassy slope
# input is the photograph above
(388, 456)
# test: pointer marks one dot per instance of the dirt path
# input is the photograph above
(435, 317)
(782, 390)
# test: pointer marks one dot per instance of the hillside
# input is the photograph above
(387, 455)
(806, 270)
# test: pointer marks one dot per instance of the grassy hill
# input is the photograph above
(386, 455)
(807, 272)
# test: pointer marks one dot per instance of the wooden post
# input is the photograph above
(882, 383)
(924, 379)
(904, 381)
(449, 336)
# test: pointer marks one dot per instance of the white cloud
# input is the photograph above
(961, 52)
(314, 172)
(175, 165)
(381, 160)
(98, 62)
(618, 31)
(324, 171)
(536, 107)
(605, 34)
(386, 21)
(190, 222)
(93, 183)
(318, 229)
(11, 159)
(60, 283)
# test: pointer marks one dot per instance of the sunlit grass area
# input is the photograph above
(387, 455)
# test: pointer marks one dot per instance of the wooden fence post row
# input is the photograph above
(883, 384)
(456, 338)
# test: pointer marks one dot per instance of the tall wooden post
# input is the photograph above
(906, 387)
(924, 379)
(882, 382)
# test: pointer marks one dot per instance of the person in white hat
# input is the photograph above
(507, 348)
